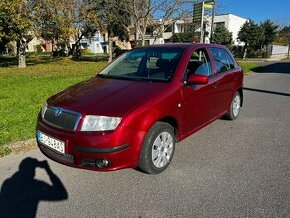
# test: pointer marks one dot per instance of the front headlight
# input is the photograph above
(43, 110)
(100, 123)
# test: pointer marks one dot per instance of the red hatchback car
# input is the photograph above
(134, 111)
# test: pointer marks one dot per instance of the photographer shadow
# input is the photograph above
(21, 193)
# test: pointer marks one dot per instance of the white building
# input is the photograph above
(232, 22)
(96, 44)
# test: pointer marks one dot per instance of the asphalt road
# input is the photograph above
(228, 169)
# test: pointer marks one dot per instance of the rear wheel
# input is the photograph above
(158, 148)
(235, 107)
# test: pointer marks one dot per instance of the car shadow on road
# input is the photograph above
(277, 67)
(21, 193)
(267, 91)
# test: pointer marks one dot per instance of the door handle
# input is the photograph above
(215, 85)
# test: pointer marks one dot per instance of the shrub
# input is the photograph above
(38, 48)
(11, 48)
(184, 37)
(86, 51)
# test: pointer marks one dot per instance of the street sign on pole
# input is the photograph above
(208, 5)
(212, 19)
(198, 16)
(197, 13)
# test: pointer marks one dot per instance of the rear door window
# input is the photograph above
(222, 60)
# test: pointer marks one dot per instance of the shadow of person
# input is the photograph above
(20, 194)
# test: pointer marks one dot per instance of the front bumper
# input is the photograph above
(121, 148)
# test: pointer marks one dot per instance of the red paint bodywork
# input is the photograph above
(140, 104)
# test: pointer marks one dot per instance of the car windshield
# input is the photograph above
(153, 64)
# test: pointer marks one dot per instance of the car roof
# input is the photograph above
(183, 45)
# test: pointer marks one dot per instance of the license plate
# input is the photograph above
(53, 143)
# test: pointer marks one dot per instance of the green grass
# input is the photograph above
(24, 91)
(248, 66)
(4, 151)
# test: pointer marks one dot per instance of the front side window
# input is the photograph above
(199, 63)
(155, 64)
(222, 60)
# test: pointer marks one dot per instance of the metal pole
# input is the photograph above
(201, 27)
(212, 20)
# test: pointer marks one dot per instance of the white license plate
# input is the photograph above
(53, 143)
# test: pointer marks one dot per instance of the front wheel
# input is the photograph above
(235, 107)
(158, 148)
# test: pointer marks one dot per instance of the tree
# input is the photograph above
(86, 23)
(114, 20)
(157, 13)
(4, 37)
(18, 24)
(140, 12)
(62, 21)
(47, 22)
(222, 36)
(251, 34)
(168, 11)
(55, 21)
(283, 36)
(270, 32)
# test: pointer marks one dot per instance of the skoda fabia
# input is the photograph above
(133, 112)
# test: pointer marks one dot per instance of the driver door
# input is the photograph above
(198, 99)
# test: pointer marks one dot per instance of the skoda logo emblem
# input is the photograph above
(57, 111)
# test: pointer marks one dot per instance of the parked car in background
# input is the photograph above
(134, 111)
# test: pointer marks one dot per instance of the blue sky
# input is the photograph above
(258, 10)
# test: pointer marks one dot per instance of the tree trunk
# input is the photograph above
(135, 36)
(110, 49)
(159, 34)
(143, 30)
(78, 49)
(143, 33)
(105, 48)
(245, 51)
(143, 41)
(52, 46)
(21, 45)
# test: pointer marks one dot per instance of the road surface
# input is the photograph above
(228, 169)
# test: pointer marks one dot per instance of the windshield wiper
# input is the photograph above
(114, 77)
(132, 78)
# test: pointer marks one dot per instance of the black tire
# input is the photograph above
(146, 162)
(232, 115)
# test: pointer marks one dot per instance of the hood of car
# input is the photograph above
(107, 97)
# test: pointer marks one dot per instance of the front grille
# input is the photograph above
(65, 158)
(61, 118)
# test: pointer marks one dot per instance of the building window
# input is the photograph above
(219, 24)
(168, 28)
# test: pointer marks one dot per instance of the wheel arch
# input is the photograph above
(240, 91)
(173, 122)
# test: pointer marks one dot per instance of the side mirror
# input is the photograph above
(197, 79)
